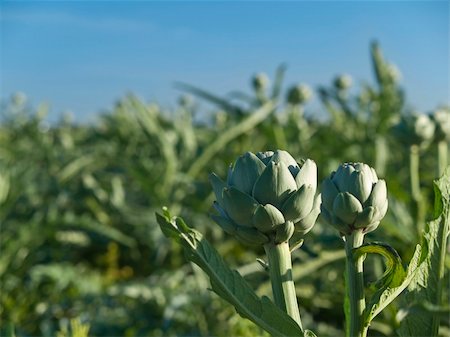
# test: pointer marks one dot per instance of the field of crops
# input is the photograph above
(81, 250)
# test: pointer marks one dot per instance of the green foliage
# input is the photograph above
(77, 202)
(76, 329)
(427, 285)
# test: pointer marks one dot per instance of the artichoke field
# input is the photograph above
(78, 235)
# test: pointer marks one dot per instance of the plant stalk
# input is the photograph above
(355, 285)
(442, 157)
(283, 287)
(417, 204)
(381, 155)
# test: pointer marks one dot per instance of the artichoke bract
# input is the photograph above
(267, 197)
(353, 198)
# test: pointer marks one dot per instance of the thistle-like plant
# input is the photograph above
(441, 119)
(353, 198)
(416, 131)
(354, 201)
(269, 198)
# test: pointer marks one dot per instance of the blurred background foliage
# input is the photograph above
(81, 252)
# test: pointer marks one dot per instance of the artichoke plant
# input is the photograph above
(260, 82)
(343, 82)
(267, 197)
(299, 94)
(441, 118)
(354, 198)
(415, 129)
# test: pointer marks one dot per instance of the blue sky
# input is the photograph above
(83, 56)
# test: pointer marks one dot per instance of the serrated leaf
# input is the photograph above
(426, 285)
(229, 284)
(384, 296)
(394, 274)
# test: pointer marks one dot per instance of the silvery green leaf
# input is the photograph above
(346, 207)
(265, 156)
(284, 232)
(239, 206)
(218, 185)
(226, 224)
(369, 172)
(274, 185)
(251, 236)
(286, 158)
(366, 217)
(307, 174)
(267, 217)
(371, 227)
(326, 215)
(342, 177)
(360, 185)
(329, 193)
(247, 169)
(299, 204)
(379, 194)
(374, 175)
(341, 226)
(229, 174)
(381, 211)
(220, 210)
(304, 225)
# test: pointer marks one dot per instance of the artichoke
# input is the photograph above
(441, 118)
(267, 198)
(343, 82)
(415, 129)
(260, 82)
(299, 94)
(354, 198)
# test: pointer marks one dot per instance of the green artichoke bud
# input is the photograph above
(299, 94)
(260, 82)
(343, 82)
(441, 119)
(267, 198)
(354, 198)
(415, 129)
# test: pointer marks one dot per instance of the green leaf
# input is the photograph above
(229, 284)
(246, 125)
(221, 102)
(279, 76)
(393, 282)
(309, 333)
(427, 284)
(394, 274)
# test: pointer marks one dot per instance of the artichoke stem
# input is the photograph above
(381, 155)
(417, 204)
(355, 285)
(283, 288)
(442, 157)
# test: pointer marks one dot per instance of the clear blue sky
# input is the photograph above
(83, 56)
